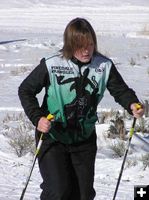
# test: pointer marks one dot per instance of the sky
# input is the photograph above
(33, 29)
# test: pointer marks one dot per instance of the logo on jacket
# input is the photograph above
(100, 68)
(62, 70)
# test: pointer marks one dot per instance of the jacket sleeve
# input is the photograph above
(29, 88)
(122, 94)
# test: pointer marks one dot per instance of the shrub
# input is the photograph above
(21, 141)
(145, 160)
(132, 61)
(118, 148)
(117, 128)
(105, 116)
(20, 137)
(131, 162)
(142, 125)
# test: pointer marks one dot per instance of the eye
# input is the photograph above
(91, 44)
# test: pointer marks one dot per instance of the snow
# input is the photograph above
(30, 30)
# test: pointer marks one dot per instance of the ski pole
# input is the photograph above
(138, 106)
(50, 118)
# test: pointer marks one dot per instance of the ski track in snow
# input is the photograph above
(106, 172)
(134, 18)
(11, 188)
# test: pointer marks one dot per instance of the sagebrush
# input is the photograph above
(20, 134)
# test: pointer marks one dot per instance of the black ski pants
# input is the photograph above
(68, 170)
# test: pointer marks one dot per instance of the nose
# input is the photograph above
(85, 50)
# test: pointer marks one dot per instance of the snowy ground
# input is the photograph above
(32, 29)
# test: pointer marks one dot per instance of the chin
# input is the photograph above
(86, 60)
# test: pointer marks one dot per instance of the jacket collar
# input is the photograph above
(78, 62)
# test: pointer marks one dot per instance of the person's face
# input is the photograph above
(85, 54)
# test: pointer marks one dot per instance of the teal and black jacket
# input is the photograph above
(73, 91)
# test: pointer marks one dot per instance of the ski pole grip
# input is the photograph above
(138, 106)
(50, 117)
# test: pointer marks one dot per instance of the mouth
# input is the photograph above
(86, 56)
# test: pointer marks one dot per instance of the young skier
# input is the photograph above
(75, 79)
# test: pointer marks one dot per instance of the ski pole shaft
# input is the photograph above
(28, 179)
(138, 106)
(125, 155)
(31, 170)
(50, 118)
